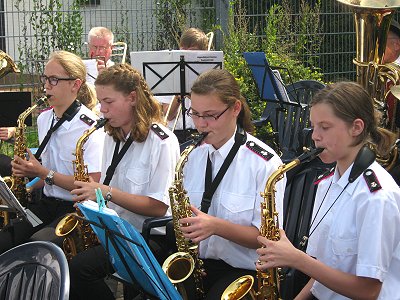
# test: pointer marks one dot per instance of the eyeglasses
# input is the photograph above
(207, 118)
(99, 48)
(53, 80)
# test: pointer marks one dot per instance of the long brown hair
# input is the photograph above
(124, 78)
(224, 85)
(350, 101)
(75, 68)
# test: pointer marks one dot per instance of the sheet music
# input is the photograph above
(161, 68)
(281, 87)
(91, 69)
(11, 204)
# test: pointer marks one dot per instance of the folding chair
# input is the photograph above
(35, 270)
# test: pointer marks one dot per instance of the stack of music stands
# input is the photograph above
(128, 252)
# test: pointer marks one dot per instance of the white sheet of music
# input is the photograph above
(161, 68)
(91, 69)
(10, 203)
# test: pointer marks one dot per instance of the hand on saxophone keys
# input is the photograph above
(28, 168)
(86, 190)
(198, 227)
(279, 253)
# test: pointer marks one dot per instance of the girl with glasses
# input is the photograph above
(145, 152)
(353, 243)
(226, 220)
(68, 119)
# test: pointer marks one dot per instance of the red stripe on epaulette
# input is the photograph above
(324, 176)
(45, 109)
(264, 154)
(372, 181)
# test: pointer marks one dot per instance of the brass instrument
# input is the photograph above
(78, 235)
(268, 281)
(372, 22)
(185, 263)
(15, 183)
(7, 65)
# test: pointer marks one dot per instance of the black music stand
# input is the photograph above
(129, 253)
(16, 103)
(173, 72)
(12, 205)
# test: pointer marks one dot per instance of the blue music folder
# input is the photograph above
(129, 252)
(268, 81)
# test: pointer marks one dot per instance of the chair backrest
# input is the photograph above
(298, 206)
(35, 270)
(292, 120)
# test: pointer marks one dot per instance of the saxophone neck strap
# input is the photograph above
(212, 185)
(68, 115)
(117, 156)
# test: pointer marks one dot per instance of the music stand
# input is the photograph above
(13, 205)
(172, 72)
(129, 253)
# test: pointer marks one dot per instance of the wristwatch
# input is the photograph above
(50, 178)
(108, 194)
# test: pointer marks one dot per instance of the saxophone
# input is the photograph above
(268, 281)
(15, 183)
(184, 263)
(78, 235)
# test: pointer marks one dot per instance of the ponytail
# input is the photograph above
(87, 96)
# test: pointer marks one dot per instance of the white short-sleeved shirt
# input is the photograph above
(59, 152)
(360, 232)
(179, 124)
(237, 198)
(146, 169)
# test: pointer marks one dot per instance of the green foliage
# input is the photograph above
(172, 17)
(289, 42)
(51, 29)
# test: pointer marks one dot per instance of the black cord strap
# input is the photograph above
(68, 115)
(117, 156)
(212, 185)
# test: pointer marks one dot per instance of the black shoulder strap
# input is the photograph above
(68, 115)
(117, 156)
(212, 185)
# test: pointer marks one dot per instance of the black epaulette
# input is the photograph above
(325, 175)
(85, 119)
(371, 180)
(259, 150)
(158, 130)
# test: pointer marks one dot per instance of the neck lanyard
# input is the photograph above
(68, 115)
(117, 156)
(304, 240)
(212, 185)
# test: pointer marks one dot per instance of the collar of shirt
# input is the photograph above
(344, 179)
(224, 150)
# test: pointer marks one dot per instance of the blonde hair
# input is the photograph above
(194, 38)
(147, 110)
(75, 68)
(224, 85)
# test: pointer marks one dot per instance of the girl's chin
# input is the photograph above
(326, 158)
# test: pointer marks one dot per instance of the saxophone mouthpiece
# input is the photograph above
(309, 154)
(101, 122)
